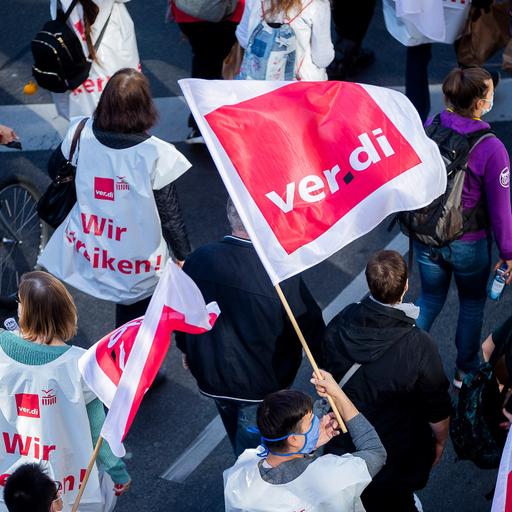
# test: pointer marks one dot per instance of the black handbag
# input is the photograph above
(55, 204)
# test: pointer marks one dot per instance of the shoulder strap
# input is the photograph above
(476, 137)
(102, 33)
(67, 14)
(353, 369)
(300, 12)
(76, 138)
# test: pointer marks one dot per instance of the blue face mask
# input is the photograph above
(491, 104)
(310, 440)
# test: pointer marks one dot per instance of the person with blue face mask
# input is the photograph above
(287, 473)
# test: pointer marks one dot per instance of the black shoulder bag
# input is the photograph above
(60, 197)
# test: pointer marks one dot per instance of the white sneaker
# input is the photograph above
(194, 137)
(417, 503)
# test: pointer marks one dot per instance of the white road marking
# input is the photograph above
(214, 432)
(194, 455)
(40, 128)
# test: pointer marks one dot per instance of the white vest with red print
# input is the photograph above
(43, 419)
(111, 245)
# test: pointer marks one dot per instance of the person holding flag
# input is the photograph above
(284, 473)
(47, 412)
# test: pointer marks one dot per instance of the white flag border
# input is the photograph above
(278, 264)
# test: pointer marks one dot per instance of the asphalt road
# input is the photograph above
(174, 415)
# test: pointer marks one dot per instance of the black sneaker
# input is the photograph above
(194, 137)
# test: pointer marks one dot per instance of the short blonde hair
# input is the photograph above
(47, 309)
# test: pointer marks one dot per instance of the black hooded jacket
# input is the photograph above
(401, 386)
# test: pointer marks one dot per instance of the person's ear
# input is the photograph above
(295, 443)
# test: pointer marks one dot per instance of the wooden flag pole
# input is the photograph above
(94, 456)
(308, 353)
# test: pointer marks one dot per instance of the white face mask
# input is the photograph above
(491, 103)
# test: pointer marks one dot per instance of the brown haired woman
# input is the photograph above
(469, 95)
(47, 413)
(106, 32)
(113, 243)
(310, 21)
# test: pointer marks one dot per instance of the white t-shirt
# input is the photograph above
(312, 28)
(111, 245)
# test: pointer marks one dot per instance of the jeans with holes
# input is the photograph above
(469, 263)
(236, 417)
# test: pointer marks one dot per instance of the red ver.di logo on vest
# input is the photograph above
(315, 165)
(27, 404)
(104, 188)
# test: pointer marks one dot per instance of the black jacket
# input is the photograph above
(252, 350)
(168, 206)
(401, 386)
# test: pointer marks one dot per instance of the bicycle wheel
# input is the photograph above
(22, 234)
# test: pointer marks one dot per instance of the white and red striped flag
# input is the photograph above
(121, 367)
(502, 501)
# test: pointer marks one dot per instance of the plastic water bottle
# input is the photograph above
(11, 325)
(498, 283)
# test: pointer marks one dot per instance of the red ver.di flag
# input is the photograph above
(502, 501)
(311, 166)
(121, 367)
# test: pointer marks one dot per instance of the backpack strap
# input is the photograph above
(67, 14)
(289, 21)
(102, 33)
(300, 12)
(475, 138)
(353, 369)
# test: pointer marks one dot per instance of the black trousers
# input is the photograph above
(379, 500)
(416, 78)
(126, 313)
(211, 43)
(352, 18)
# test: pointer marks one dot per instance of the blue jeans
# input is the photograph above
(236, 417)
(469, 262)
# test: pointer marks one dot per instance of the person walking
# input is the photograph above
(486, 204)
(364, 346)
(252, 350)
(211, 43)
(47, 413)
(106, 32)
(113, 244)
(300, 28)
(286, 474)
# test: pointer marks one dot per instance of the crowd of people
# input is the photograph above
(290, 454)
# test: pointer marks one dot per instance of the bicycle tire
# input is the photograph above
(18, 205)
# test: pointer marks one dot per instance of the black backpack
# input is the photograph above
(59, 61)
(443, 220)
(474, 427)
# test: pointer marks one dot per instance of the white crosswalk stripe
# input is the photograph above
(40, 128)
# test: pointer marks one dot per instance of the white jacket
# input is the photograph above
(312, 28)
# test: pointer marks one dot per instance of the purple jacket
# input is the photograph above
(489, 174)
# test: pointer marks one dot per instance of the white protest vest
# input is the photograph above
(43, 419)
(329, 484)
(118, 49)
(111, 246)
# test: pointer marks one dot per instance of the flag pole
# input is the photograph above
(87, 474)
(308, 353)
